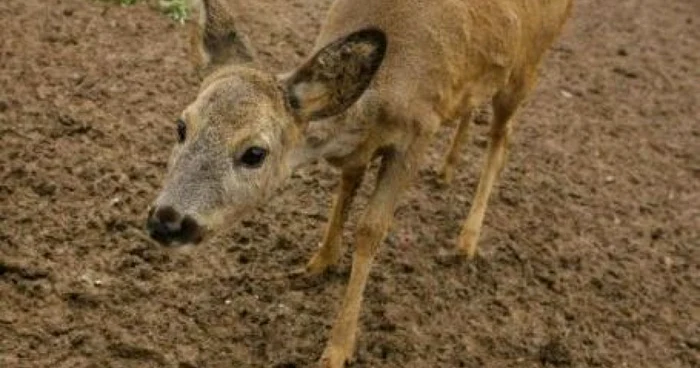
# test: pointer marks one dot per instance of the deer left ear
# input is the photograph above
(333, 79)
(215, 39)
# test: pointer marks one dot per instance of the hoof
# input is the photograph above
(334, 358)
(467, 244)
(321, 261)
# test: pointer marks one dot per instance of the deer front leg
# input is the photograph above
(331, 247)
(372, 228)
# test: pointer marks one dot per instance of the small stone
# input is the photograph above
(668, 262)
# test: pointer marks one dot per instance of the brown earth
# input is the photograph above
(590, 251)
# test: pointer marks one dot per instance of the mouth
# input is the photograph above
(175, 241)
(185, 231)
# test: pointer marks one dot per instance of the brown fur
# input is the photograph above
(444, 58)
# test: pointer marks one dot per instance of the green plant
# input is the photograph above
(121, 2)
(177, 10)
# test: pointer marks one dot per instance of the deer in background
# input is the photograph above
(383, 77)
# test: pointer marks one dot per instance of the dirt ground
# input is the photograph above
(590, 250)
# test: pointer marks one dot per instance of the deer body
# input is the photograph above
(444, 59)
(382, 78)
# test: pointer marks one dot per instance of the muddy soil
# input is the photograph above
(590, 254)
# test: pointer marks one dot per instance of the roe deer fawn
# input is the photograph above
(382, 78)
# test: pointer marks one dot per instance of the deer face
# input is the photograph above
(235, 143)
(239, 140)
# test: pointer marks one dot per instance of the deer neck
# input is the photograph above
(330, 139)
(338, 138)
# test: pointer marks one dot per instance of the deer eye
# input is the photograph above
(253, 157)
(181, 130)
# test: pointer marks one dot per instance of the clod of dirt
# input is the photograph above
(25, 272)
(130, 351)
(286, 365)
(626, 72)
(82, 300)
(554, 353)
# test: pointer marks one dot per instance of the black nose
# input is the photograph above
(166, 225)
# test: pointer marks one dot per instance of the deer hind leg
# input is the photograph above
(331, 247)
(394, 175)
(505, 105)
(446, 173)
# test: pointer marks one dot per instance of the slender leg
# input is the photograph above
(505, 104)
(330, 250)
(392, 179)
(446, 172)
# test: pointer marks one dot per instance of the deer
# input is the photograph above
(382, 78)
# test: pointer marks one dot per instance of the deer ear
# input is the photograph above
(214, 39)
(337, 75)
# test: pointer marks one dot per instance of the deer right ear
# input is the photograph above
(214, 39)
(337, 75)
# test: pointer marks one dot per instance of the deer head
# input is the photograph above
(240, 139)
